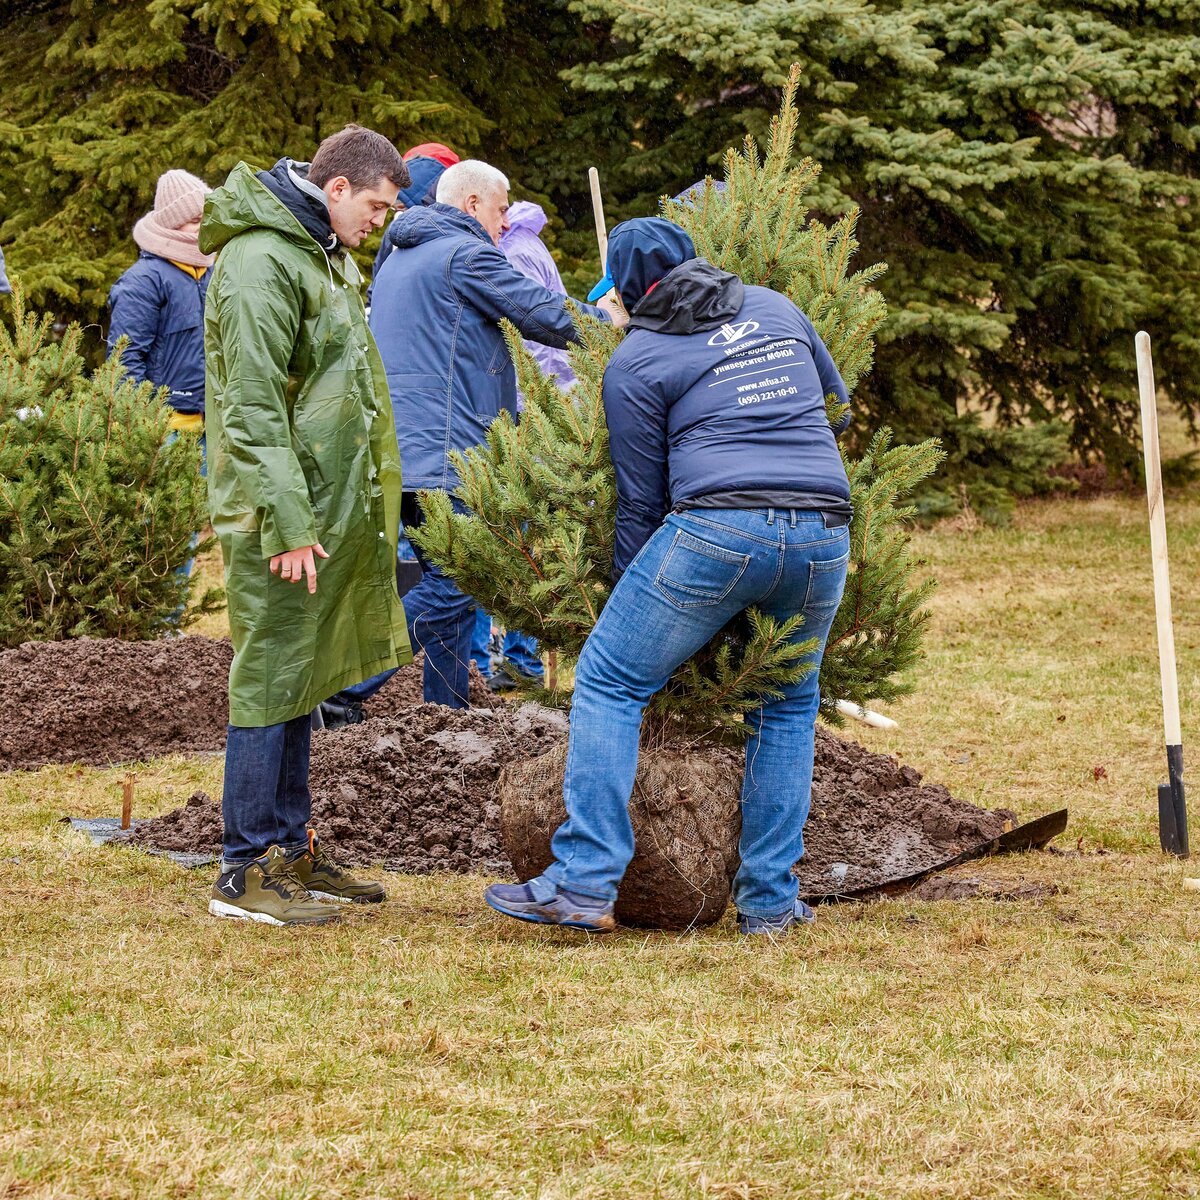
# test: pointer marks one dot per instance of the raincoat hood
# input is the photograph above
(244, 202)
(524, 215)
(695, 296)
(415, 226)
(423, 176)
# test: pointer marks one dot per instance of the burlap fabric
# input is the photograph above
(686, 820)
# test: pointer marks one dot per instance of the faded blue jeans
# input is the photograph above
(519, 649)
(697, 572)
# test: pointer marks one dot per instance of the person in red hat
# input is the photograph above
(425, 163)
(435, 150)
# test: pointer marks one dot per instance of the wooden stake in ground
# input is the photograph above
(127, 801)
(1172, 806)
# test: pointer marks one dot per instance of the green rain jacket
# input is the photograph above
(301, 449)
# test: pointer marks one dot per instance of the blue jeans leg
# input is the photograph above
(266, 801)
(693, 576)
(777, 787)
(440, 620)
(522, 651)
(481, 641)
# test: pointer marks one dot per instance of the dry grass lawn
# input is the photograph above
(1037, 1048)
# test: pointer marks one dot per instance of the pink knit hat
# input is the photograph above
(178, 199)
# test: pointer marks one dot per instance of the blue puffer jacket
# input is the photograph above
(716, 397)
(436, 315)
(160, 309)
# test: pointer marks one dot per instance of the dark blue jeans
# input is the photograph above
(266, 801)
(440, 619)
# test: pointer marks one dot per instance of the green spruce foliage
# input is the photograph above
(1028, 170)
(537, 546)
(97, 503)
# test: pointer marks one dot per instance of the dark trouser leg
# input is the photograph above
(293, 801)
(249, 801)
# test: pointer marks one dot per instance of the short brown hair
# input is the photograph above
(362, 156)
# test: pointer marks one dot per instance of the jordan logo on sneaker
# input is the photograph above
(230, 886)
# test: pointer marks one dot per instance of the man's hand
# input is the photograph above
(610, 302)
(290, 566)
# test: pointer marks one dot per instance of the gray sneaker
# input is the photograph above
(800, 914)
(266, 890)
(545, 903)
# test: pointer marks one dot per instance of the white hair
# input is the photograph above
(469, 178)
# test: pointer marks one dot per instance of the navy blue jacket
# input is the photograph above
(718, 392)
(436, 315)
(160, 309)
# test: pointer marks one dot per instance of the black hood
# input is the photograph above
(288, 182)
(695, 296)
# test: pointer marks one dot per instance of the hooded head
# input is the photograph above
(640, 253)
(169, 230)
(527, 216)
(424, 173)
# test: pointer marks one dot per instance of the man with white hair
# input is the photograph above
(436, 314)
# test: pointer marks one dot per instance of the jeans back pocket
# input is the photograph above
(695, 572)
(826, 583)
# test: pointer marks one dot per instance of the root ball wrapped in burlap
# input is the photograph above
(686, 822)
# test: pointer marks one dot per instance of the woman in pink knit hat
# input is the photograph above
(158, 304)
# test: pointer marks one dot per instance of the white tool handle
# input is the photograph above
(598, 214)
(876, 720)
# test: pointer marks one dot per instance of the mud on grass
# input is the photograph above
(100, 700)
(418, 793)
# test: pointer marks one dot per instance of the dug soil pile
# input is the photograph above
(872, 820)
(418, 793)
(102, 700)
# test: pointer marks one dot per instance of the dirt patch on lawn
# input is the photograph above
(968, 887)
(101, 700)
(873, 820)
(417, 793)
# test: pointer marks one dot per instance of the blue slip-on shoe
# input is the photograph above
(544, 902)
(774, 926)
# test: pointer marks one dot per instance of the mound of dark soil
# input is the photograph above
(873, 820)
(419, 793)
(102, 700)
(405, 690)
(416, 793)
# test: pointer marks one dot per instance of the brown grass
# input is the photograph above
(1035, 1048)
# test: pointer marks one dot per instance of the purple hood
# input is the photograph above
(527, 252)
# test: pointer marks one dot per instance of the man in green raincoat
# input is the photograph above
(304, 492)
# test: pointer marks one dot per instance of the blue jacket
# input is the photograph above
(716, 397)
(161, 310)
(436, 315)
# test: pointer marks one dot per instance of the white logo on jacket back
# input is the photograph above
(728, 334)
